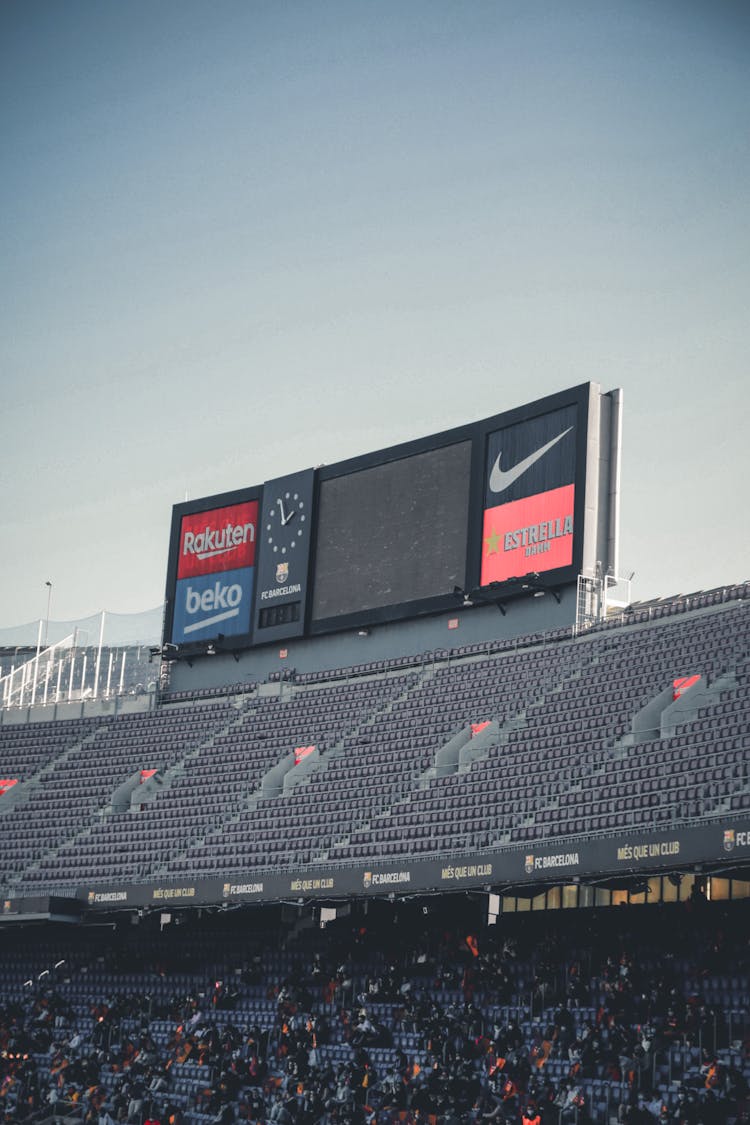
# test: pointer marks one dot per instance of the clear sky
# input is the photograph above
(242, 238)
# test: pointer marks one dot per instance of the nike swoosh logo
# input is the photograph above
(500, 480)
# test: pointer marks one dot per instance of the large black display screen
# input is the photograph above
(392, 533)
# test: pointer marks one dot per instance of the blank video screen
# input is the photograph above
(393, 533)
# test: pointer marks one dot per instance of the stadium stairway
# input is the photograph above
(238, 713)
(272, 791)
(657, 719)
(468, 749)
(82, 782)
(489, 689)
(21, 793)
(245, 709)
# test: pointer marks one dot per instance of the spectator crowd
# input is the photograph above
(393, 1020)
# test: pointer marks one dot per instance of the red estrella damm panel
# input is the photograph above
(218, 540)
(534, 534)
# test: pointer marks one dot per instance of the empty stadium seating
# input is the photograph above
(567, 761)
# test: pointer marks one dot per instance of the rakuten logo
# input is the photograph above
(217, 541)
(225, 599)
(210, 542)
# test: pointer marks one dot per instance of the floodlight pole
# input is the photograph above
(99, 657)
(48, 584)
(36, 663)
(72, 664)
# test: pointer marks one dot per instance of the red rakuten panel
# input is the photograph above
(218, 540)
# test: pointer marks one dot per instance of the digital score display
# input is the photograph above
(392, 533)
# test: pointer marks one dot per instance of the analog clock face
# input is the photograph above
(285, 523)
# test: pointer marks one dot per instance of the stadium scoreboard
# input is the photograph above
(394, 534)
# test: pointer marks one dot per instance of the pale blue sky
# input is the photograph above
(239, 239)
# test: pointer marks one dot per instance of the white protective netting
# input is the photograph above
(119, 629)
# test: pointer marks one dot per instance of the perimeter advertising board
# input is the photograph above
(537, 864)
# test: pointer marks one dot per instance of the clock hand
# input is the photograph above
(285, 519)
(280, 502)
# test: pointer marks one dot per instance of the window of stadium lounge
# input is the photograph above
(660, 889)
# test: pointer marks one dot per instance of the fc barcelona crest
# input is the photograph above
(282, 573)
